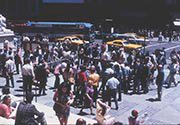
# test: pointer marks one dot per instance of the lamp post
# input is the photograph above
(144, 42)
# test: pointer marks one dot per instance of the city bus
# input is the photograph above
(56, 29)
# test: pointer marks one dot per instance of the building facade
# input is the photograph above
(135, 13)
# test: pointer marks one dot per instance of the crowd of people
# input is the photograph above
(89, 72)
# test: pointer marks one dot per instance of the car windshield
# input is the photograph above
(125, 43)
(75, 39)
(121, 43)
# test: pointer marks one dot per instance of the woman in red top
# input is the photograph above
(80, 85)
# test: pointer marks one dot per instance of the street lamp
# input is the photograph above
(144, 42)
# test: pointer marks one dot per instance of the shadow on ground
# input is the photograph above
(83, 113)
(153, 99)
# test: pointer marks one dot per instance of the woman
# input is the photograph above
(88, 98)
(63, 98)
(79, 87)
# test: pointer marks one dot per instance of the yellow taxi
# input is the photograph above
(72, 40)
(125, 44)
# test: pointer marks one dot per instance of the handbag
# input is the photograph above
(58, 107)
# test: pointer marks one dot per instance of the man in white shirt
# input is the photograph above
(28, 75)
(9, 66)
(112, 84)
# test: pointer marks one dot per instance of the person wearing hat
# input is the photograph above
(133, 118)
(112, 87)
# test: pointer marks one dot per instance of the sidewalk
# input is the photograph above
(44, 103)
(166, 111)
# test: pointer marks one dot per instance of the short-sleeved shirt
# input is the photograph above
(94, 78)
(112, 83)
(82, 77)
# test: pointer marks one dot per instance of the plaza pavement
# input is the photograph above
(166, 111)
(50, 116)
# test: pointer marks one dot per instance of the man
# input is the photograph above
(159, 81)
(126, 70)
(26, 113)
(28, 75)
(9, 66)
(118, 73)
(17, 60)
(104, 56)
(138, 67)
(145, 76)
(5, 108)
(173, 68)
(57, 73)
(112, 85)
(105, 77)
(41, 76)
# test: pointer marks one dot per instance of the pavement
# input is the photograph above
(166, 111)
(42, 103)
